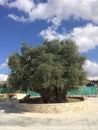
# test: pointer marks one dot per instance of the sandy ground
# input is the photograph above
(12, 119)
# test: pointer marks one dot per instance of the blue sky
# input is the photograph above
(32, 21)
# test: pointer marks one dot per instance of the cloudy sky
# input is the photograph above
(32, 21)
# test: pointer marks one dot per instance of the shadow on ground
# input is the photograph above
(8, 108)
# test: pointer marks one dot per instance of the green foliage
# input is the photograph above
(51, 69)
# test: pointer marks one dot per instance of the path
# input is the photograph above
(93, 99)
(12, 119)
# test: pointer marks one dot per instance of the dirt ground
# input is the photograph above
(12, 119)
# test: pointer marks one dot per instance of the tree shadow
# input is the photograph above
(9, 108)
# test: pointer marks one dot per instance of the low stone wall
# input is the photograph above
(52, 108)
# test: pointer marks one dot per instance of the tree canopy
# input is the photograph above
(51, 69)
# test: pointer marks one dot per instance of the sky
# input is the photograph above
(33, 21)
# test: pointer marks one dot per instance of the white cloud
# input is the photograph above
(22, 5)
(4, 65)
(62, 10)
(2, 2)
(3, 77)
(56, 22)
(17, 18)
(51, 34)
(92, 69)
(86, 37)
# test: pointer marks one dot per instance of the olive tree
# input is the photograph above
(51, 69)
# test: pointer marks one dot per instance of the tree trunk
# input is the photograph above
(60, 95)
(45, 95)
(56, 95)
